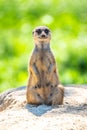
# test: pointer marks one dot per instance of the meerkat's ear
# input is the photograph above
(32, 32)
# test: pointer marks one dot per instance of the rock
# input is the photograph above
(16, 114)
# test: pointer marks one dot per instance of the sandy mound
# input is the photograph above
(16, 114)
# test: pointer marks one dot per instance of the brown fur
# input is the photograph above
(43, 83)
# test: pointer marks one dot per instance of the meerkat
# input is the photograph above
(43, 83)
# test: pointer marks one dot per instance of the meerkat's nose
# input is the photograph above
(43, 35)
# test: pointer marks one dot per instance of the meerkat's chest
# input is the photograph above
(43, 61)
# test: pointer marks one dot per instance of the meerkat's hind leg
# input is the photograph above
(58, 95)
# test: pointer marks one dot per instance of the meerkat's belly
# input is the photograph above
(42, 65)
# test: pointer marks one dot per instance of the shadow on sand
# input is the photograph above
(38, 110)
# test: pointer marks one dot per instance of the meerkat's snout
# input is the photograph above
(43, 35)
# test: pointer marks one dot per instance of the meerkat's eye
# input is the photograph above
(46, 31)
(35, 87)
(38, 31)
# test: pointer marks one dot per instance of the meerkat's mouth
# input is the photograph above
(42, 37)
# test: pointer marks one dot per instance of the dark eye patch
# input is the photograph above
(35, 87)
(38, 31)
(46, 31)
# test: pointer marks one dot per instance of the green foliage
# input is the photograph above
(68, 22)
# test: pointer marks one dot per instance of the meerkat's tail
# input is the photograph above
(60, 86)
(61, 91)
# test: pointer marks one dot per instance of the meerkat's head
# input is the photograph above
(41, 34)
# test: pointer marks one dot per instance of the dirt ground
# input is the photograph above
(16, 114)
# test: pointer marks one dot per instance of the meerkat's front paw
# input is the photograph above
(38, 85)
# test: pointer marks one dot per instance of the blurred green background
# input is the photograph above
(67, 20)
